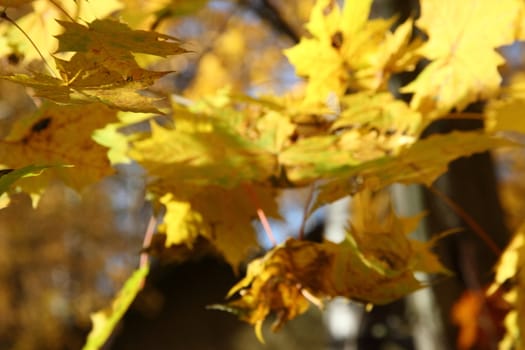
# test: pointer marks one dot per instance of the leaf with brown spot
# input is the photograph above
(60, 135)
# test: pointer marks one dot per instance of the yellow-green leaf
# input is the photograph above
(369, 127)
(421, 163)
(105, 321)
(202, 150)
(289, 275)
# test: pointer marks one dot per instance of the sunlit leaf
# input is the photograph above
(41, 26)
(214, 144)
(117, 143)
(103, 68)
(369, 128)
(202, 151)
(349, 52)
(10, 176)
(223, 216)
(382, 113)
(283, 281)
(60, 135)
(509, 278)
(105, 321)
(506, 113)
(422, 163)
(97, 85)
(457, 76)
(112, 43)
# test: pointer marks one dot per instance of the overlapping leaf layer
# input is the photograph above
(215, 165)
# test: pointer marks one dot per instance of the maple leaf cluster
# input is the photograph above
(217, 163)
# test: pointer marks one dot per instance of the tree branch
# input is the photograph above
(268, 12)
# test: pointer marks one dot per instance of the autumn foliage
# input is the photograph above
(216, 161)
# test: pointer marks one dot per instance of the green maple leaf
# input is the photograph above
(9, 176)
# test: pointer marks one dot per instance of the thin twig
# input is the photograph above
(478, 230)
(61, 9)
(148, 235)
(268, 12)
(266, 226)
(4, 15)
(306, 208)
(260, 213)
(464, 115)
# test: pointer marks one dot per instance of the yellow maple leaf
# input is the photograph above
(375, 264)
(41, 26)
(370, 127)
(103, 68)
(59, 135)
(382, 237)
(222, 216)
(510, 276)
(14, 3)
(463, 68)
(204, 169)
(112, 43)
(349, 52)
(268, 287)
(421, 163)
(116, 142)
(86, 81)
(208, 154)
(506, 113)
(214, 143)
(383, 113)
(287, 277)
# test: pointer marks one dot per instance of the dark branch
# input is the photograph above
(268, 12)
